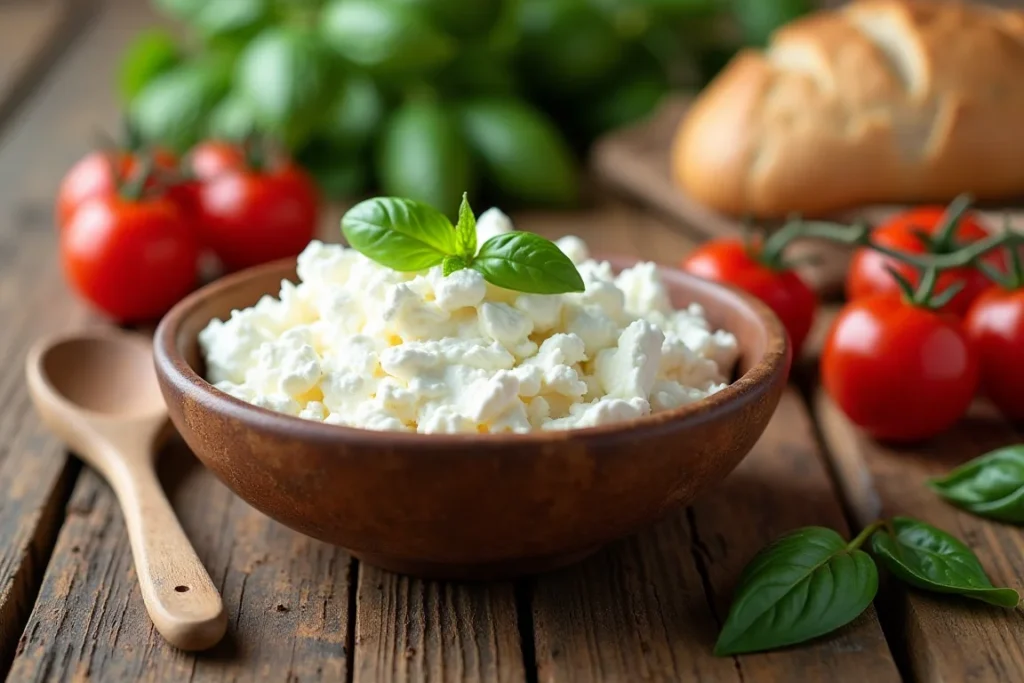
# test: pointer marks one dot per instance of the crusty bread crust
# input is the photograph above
(879, 101)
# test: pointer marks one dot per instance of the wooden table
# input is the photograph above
(647, 608)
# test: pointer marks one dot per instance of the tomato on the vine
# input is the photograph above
(211, 158)
(99, 173)
(897, 369)
(734, 262)
(131, 258)
(923, 230)
(252, 208)
(995, 325)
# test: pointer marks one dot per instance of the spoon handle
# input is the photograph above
(182, 601)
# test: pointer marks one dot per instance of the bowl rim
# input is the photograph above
(173, 368)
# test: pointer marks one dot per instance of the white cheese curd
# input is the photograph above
(360, 345)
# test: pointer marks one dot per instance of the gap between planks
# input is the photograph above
(937, 637)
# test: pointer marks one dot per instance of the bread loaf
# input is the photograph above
(878, 101)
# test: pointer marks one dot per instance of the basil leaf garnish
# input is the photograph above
(407, 236)
(805, 584)
(451, 264)
(399, 233)
(990, 486)
(465, 231)
(527, 263)
(931, 559)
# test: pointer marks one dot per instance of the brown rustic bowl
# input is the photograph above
(470, 506)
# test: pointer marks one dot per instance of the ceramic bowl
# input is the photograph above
(470, 506)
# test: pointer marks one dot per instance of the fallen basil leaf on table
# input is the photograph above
(805, 584)
(990, 486)
(528, 263)
(931, 559)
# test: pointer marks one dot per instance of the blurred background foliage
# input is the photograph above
(428, 98)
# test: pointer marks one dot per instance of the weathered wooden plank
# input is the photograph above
(650, 608)
(31, 32)
(42, 141)
(413, 630)
(287, 595)
(943, 638)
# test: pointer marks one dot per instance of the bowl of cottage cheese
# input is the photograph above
(444, 426)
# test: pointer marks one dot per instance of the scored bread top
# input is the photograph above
(879, 101)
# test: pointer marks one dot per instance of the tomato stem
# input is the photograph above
(944, 240)
(859, 235)
(254, 151)
(132, 188)
(1014, 276)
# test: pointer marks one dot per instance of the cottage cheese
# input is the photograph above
(360, 345)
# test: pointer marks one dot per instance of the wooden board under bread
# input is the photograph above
(635, 161)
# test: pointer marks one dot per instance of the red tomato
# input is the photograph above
(213, 157)
(100, 173)
(133, 260)
(731, 262)
(868, 276)
(250, 217)
(900, 371)
(995, 325)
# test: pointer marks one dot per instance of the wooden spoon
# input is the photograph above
(99, 393)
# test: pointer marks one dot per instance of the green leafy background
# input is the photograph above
(428, 98)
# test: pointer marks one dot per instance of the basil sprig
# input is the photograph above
(989, 486)
(810, 581)
(407, 236)
(931, 559)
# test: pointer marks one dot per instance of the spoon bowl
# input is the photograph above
(98, 391)
(109, 374)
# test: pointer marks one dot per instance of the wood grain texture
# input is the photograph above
(413, 630)
(287, 596)
(651, 607)
(32, 33)
(945, 638)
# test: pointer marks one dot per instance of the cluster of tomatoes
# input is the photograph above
(134, 223)
(908, 352)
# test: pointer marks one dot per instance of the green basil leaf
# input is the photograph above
(990, 486)
(399, 233)
(525, 262)
(422, 155)
(353, 116)
(232, 119)
(929, 558)
(522, 152)
(217, 17)
(805, 584)
(282, 74)
(465, 231)
(459, 17)
(150, 54)
(451, 264)
(172, 109)
(384, 36)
